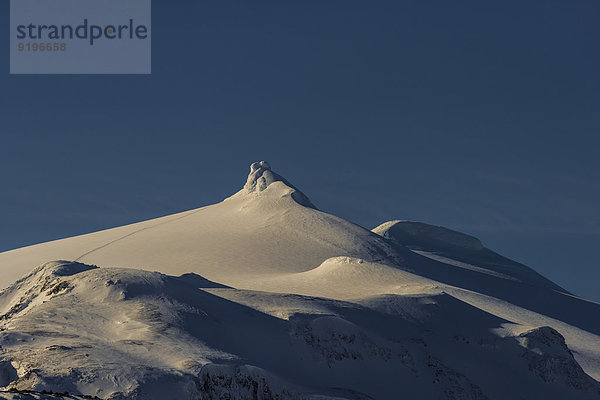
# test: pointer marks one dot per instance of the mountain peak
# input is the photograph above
(261, 176)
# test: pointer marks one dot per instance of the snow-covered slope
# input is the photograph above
(459, 249)
(264, 296)
(258, 231)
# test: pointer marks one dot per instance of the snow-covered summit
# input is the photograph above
(262, 176)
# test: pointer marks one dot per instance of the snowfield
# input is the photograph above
(263, 296)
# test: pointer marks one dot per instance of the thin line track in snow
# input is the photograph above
(138, 231)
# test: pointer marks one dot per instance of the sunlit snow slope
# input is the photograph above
(265, 296)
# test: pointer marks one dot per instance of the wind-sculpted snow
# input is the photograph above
(263, 296)
(261, 176)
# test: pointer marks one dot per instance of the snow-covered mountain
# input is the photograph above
(263, 296)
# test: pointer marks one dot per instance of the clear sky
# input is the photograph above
(480, 116)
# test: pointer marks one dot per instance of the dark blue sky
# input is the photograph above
(482, 117)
